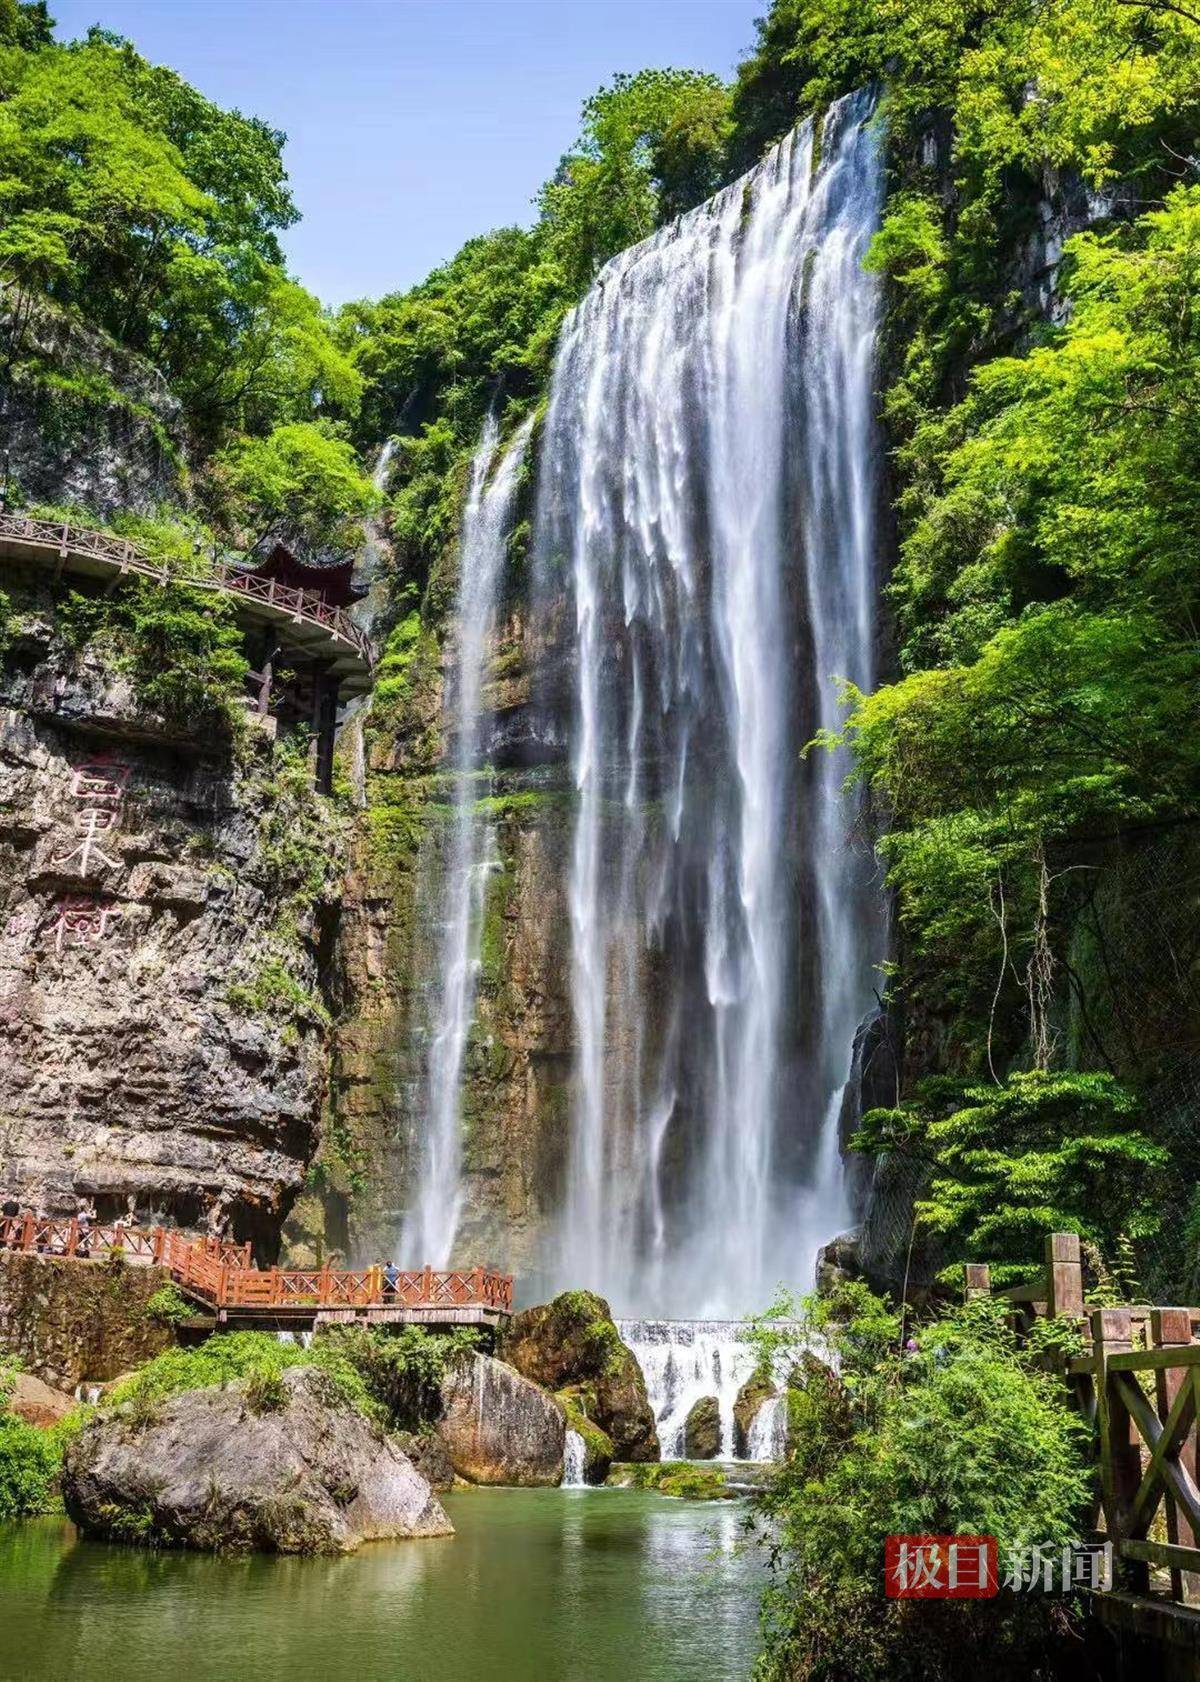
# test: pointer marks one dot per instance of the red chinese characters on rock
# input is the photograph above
(98, 789)
(941, 1567)
(82, 920)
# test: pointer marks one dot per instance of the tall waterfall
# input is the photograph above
(432, 1220)
(707, 487)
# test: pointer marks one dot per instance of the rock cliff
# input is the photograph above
(164, 908)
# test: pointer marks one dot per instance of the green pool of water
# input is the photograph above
(536, 1586)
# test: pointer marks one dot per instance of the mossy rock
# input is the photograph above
(682, 1479)
(702, 1429)
(597, 1445)
(573, 1343)
(757, 1389)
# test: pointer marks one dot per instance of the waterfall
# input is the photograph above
(685, 1360)
(706, 495)
(431, 1223)
(767, 1436)
(574, 1461)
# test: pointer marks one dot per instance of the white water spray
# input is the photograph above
(429, 1229)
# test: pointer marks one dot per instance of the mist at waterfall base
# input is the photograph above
(706, 486)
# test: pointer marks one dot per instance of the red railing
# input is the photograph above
(302, 605)
(223, 1275)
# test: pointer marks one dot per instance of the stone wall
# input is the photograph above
(72, 1322)
(162, 1040)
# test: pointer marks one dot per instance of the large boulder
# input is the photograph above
(572, 1342)
(702, 1429)
(38, 1403)
(288, 1467)
(498, 1427)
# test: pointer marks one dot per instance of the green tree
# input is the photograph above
(301, 484)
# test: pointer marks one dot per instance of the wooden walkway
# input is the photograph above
(222, 1278)
(1137, 1384)
(310, 623)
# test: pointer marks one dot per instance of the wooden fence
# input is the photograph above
(223, 1277)
(285, 600)
(1138, 1383)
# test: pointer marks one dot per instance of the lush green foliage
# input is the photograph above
(956, 1432)
(301, 484)
(402, 1369)
(237, 1357)
(133, 207)
(30, 1457)
(1008, 1164)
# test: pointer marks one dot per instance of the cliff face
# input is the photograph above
(518, 1055)
(160, 1039)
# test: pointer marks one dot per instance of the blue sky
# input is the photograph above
(413, 124)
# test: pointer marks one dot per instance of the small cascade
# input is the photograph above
(685, 1360)
(574, 1462)
(767, 1437)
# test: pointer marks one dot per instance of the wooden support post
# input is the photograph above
(477, 1286)
(1171, 1328)
(1120, 1453)
(427, 1285)
(1064, 1275)
(978, 1280)
(73, 1236)
(323, 1286)
(156, 1249)
(27, 1231)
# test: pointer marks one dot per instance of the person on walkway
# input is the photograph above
(391, 1278)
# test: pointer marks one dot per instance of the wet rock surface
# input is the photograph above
(498, 1427)
(702, 1429)
(572, 1341)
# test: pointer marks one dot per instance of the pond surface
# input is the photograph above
(537, 1586)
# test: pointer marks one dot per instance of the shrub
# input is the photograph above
(255, 1358)
(29, 1466)
(169, 1306)
(961, 1435)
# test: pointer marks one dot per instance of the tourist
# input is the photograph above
(391, 1278)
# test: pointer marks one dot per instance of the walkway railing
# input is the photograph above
(302, 606)
(223, 1276)
(1137, 1382)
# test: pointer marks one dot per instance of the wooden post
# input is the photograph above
(156, 1246)
(1171, 1328)
(27, 1231)
(1120, 1452)
(323, 1288)
(478, 1284)
(978, 1280)
(1064, 1275)
(427, 1284)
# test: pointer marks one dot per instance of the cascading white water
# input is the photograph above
(767, 1436)
(427, 1236)
(683, 1361)
(706, 491)
(574, 1461)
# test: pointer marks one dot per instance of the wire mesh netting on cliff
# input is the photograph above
(1128, 976)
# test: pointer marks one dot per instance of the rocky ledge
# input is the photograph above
(284, 1466)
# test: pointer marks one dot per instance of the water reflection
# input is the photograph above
(557, 1586)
